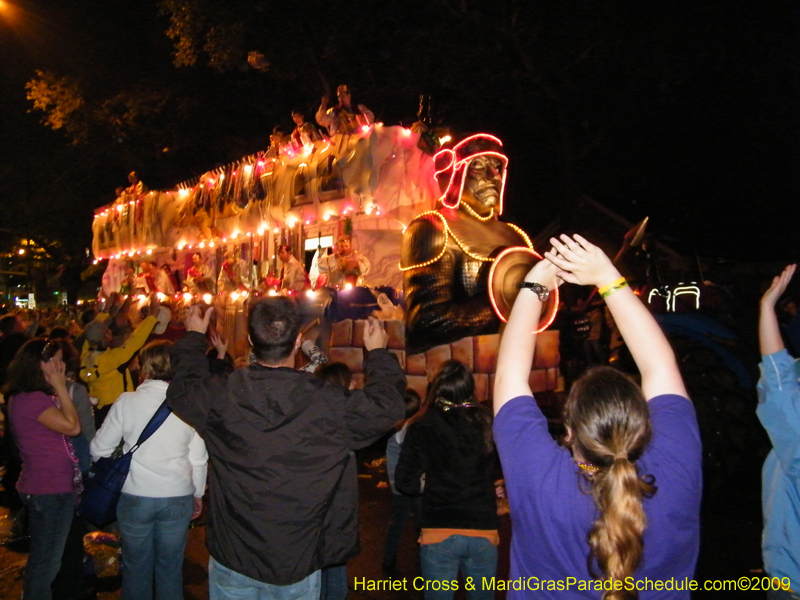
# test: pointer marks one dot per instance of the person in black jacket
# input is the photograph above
(283, 499)
(448, 457)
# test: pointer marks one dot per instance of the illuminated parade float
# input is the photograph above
(420, 245)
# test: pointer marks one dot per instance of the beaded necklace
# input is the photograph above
(77, 477)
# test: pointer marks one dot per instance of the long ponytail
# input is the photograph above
(615, 540)
(609, 424)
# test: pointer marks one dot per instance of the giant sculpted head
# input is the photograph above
(473, 172)
(451, 256)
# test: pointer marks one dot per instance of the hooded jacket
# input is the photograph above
(283, 487)
(100, 369)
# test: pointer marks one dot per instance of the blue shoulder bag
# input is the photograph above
(104, 482)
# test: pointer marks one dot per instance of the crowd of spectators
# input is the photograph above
(279, 445)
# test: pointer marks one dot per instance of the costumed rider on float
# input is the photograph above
(453, 282)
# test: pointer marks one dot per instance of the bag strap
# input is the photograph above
(152, 425)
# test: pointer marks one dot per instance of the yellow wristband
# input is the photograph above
(612, 287)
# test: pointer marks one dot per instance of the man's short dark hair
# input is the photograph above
(273, 324)
(8, 324)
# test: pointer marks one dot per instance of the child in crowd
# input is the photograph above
(401, 504)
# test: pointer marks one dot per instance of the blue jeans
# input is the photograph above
(227, 584)
(401, 506)
(154, 532)
(334, 583)
(49, 522)
(475, 556)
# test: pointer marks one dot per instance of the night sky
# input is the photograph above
(683, 111)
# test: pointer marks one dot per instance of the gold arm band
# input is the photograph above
(612, 287)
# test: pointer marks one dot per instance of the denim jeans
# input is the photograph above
(69, 583)
(476, 557)
(401, 506)
(334, 583)
(49, 521)
(227, 584)
(154, 532)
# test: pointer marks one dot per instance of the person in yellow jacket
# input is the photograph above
(100, 364)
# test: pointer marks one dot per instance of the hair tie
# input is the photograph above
(622, 455)
(446, 405)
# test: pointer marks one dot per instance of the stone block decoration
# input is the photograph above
(479, 353)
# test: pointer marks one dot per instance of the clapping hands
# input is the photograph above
(579, 261)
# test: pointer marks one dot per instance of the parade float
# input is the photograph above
(397, 194)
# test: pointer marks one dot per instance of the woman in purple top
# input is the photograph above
(43, 418)
(614, 513)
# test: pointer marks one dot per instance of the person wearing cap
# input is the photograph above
(345, 117)
(779, 413)
(100, 364)
(447, 254)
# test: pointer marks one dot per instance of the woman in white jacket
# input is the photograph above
(165, 485)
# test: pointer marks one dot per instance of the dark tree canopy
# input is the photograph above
(683, 111)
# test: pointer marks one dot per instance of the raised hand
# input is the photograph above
(579, 261)
(545, 273)
(220, 345)
(374, 335)
(54, 372)
(778, 287)
(770, 340)
(196, 321)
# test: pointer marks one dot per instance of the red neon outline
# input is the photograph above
(462, 165)
(553, 293)
(478, 135)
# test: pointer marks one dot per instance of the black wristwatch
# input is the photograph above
(537, 288)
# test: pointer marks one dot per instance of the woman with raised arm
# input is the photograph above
(779, 413)
(165, 486)
(620, 500)
(43, 419)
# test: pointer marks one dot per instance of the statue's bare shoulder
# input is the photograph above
(423, 240)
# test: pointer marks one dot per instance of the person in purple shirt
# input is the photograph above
(613, 513)
(43, 419)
